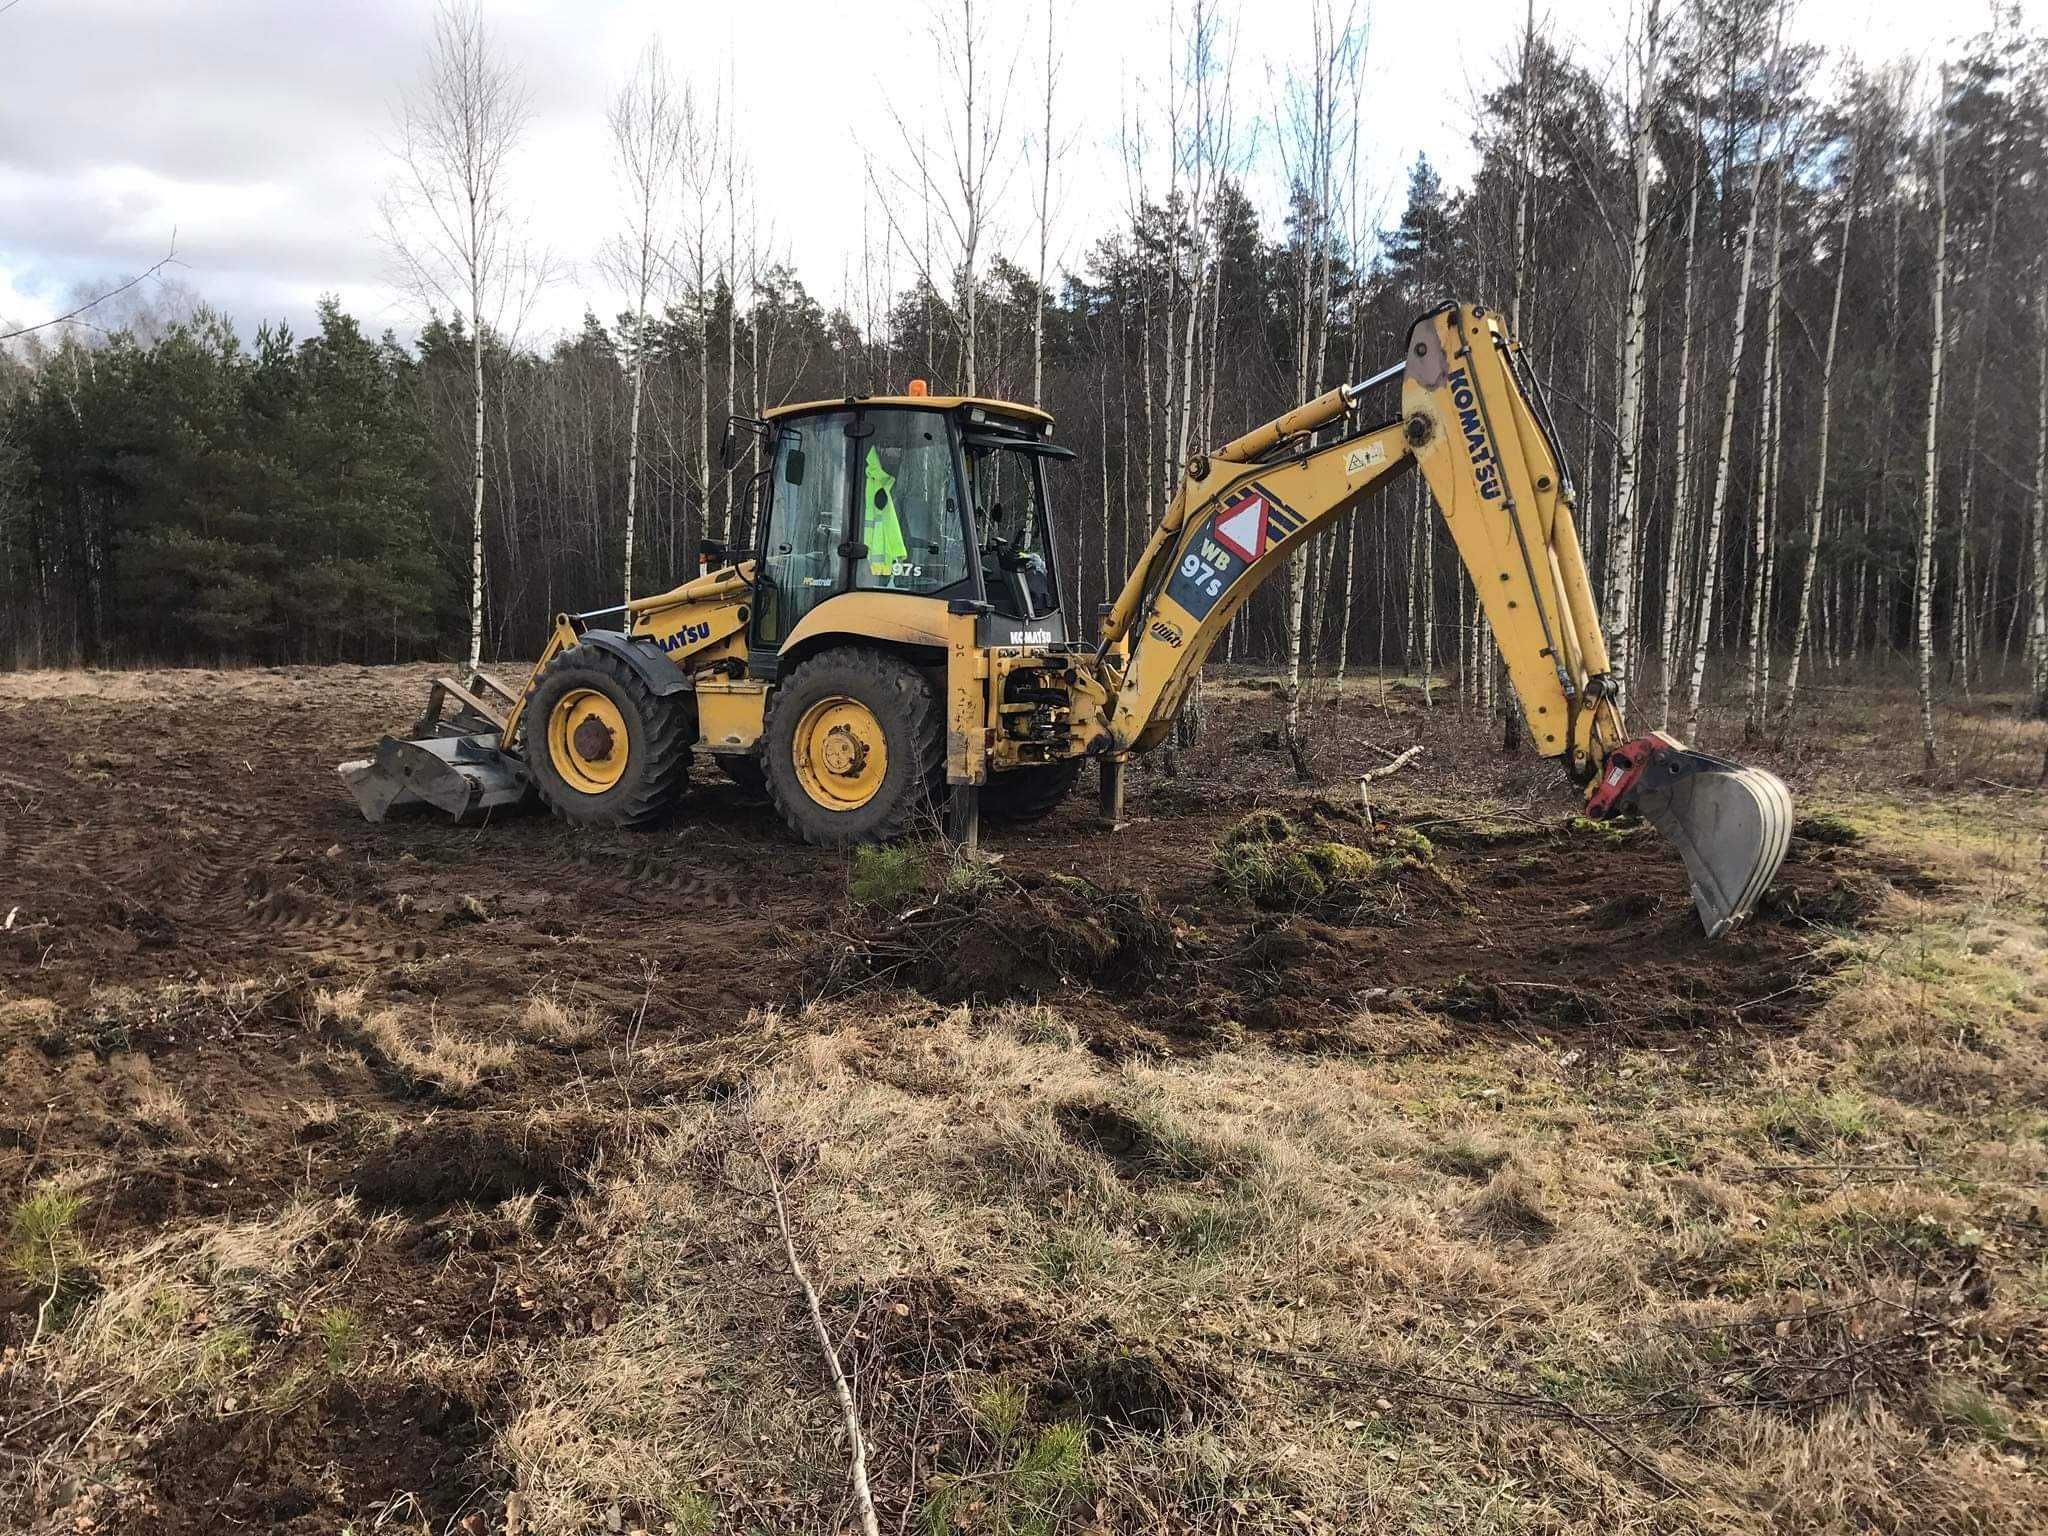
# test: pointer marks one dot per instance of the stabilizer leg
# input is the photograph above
(963, 819)
(1110, 791)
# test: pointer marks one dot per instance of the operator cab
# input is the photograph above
(929, 497)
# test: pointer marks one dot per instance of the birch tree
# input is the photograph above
(449, 217)
(2038, 533)
(1816, 513)
(965, 176)
(1923, 579)
(645, 143)
(1621, 548)
(1049, 153)
(1718, 508)
(701, 153)
(1679, 533)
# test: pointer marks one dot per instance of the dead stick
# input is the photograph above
(862, 1496)
(1365, 778)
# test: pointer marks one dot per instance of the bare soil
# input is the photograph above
(183, 877)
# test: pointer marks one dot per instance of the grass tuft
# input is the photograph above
(160, 1110)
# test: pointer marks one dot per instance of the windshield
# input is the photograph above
(1010, 517)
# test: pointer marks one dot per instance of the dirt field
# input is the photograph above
(414, 1175)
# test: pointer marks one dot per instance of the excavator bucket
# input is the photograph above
(454, 763)
(1730, 824)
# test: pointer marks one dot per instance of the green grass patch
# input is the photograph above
(1816, 1122)
(342, 1337)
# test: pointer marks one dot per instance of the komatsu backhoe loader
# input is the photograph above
(895, 639)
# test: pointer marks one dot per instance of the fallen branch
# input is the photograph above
(1383, 771)
(862, 1496)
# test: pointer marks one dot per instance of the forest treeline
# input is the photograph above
(1791, 312)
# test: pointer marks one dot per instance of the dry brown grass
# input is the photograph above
(436, 1059)
(1444, 1287)
(546, 1020)
(160, 1110)
(197, 1323)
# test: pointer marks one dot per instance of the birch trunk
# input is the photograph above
(1923, 581)
(476, 504)
(1754, 682)
(1818, 511)
(2039, 539)
(1621, 541)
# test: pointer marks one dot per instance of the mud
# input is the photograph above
(184, 887)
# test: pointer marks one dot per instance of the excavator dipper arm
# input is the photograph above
(1473, 420)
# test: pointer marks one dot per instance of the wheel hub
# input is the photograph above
(845, 754)
(587, 741)
(841, 754)
(593, 739)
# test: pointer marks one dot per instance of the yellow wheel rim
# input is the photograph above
(841, 754)
(587, 741)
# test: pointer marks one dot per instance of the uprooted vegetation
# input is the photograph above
(958, 930)
(419, 1176)
(1268, 860)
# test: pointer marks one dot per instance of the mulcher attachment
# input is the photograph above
(453, 762)
(1731, 824)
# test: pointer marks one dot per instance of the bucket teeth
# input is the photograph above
(1731, 825)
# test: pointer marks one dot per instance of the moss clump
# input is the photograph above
(1266, 860)
(1263, 828)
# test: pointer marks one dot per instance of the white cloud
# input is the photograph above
(256, 128)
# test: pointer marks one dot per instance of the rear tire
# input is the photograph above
(854, 742)
(1029, 794)
(604, 749)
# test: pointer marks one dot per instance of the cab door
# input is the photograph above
(804, 545)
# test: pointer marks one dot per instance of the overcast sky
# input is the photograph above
(256, 129)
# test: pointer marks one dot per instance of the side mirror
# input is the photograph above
(725, 446)
(793, 466)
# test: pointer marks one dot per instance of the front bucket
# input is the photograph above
(1731, 825)
(461, 775)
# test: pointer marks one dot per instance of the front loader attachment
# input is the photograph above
(1731, 824)
(454, 763)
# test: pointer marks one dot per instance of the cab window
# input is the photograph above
(1009, 511)
(908, 514)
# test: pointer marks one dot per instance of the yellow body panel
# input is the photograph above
(730, 713)
(899, 617)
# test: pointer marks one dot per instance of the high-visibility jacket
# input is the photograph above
(882, 530)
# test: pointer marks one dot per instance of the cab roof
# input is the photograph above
(1009, 408)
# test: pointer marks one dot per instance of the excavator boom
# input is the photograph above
(1473, 421)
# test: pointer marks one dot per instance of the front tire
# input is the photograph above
(604, 749)
(1029, 794)
(854, 742)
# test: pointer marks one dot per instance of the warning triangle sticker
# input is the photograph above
(1242, 529)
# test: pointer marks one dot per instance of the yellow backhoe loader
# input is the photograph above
(895, 639)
